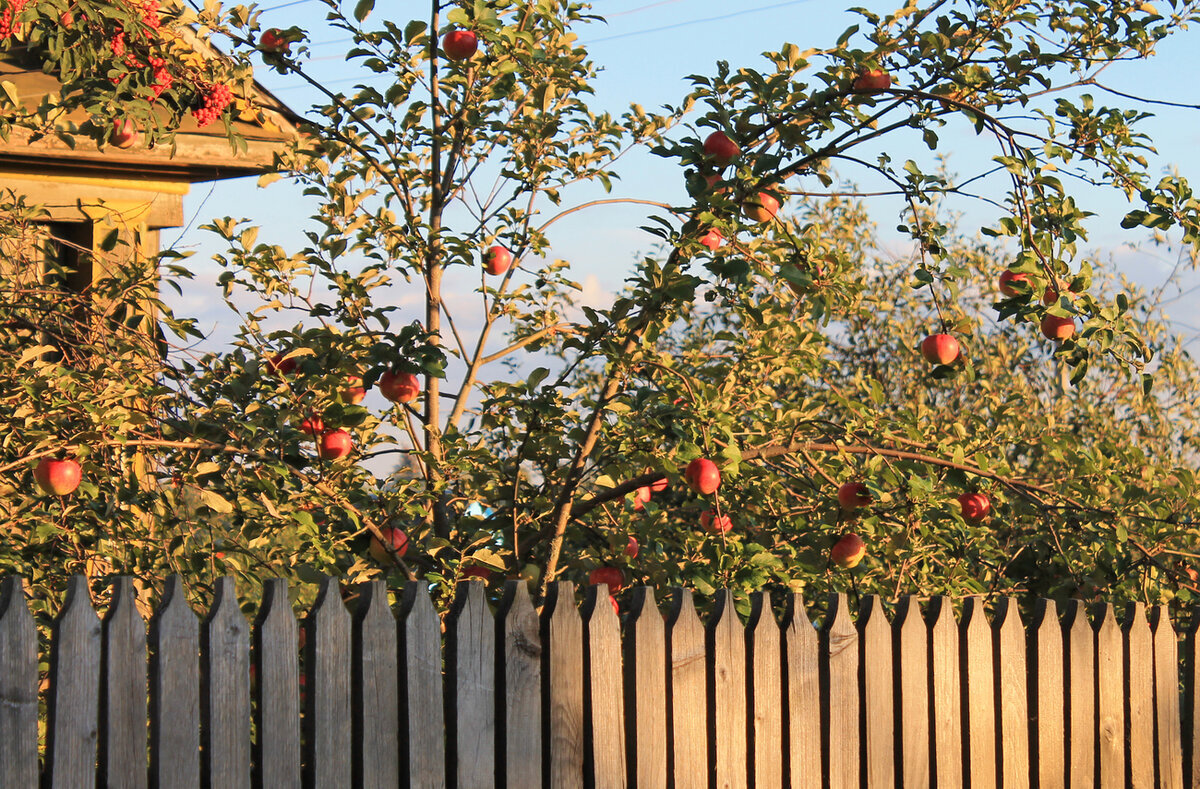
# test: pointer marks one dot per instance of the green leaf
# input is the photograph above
(363, 9)
(215, 502)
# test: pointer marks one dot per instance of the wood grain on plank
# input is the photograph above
(802, 690)
(374, 696)
(1110, 700)
(839, 651)
(562, 688)
(979, 693)
(726, 647)
(603, 692)
(423, 745)
(470, 690)
(687, 699)
(1079, 680)
(1009, 637)
(1191, 702)
(945, 693)
(1048, 719)
(764, 694)
(911, 639)
(328, 725)
(875, 654)
(1167, 724)
(1139, 698)
(225, 699)
(519, 688)
(18, 689)
(123, 712)
(277, 673)
(174, 690)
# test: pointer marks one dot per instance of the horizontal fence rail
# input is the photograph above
(575, 696)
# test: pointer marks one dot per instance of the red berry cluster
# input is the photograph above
(162, 76)
(8, 17)
(215, 98)
(149, 11)
(117, 43)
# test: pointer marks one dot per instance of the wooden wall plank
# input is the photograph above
(423, 741)
(328, 725)
(18, 689)
(225, 696)
(764, 695)
(839, 653)
(277, 674)
(470, 690)
(174, 690)
(911, 638)
(1079, 682)
(1168, 732)
(726, 647)
(519, 688)
(123, 713)
(945, 703)
(74, 696)
(1139, 698)
(802, 691)
(603, 692)
(1191, 703)
(979, 696)
(1110, 700)
(687, 699)
(645, 692)
(875, 656)
(1009, 637)
(374, 697)
(562, 689)
(1047, 717)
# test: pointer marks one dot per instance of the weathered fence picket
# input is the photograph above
(587, 696)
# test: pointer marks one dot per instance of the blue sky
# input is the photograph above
(646, 49)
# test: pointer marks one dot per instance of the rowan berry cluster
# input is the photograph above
(215, 98)
(8, 18)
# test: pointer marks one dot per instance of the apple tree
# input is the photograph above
(772, 333)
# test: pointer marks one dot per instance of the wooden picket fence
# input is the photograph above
(569, 697)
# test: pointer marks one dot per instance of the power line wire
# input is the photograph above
(696, 21)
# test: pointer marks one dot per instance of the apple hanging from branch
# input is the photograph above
(58, 476)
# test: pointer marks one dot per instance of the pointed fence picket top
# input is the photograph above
(519, 688)
(912, 683)
(470, 690)
(18, 689)
(764, 694)
(423, 742)
(123, 721)
(875, 707)
(1110, 700)
(277, 675)
(687, 702)
(1079, 687)
(562, 688)
(1009, 637)
(839, 649)
(945, 686)
(1139, 696)
(174, 690)
(645, 692)
(72, 725)
(1166, 694)
(225, 697)
(374, 697)
(726, 646)
(328, 725)
(1047, 721)
(979, 695)
(802, 692)
(603, 692)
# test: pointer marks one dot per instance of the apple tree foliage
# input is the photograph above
(787, 352)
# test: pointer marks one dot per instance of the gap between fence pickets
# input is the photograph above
(577, 696)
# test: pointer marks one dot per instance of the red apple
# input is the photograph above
(975, 507)
(712, 239)
(1008, 281)
(273, 40)
(852, 495)
(1049, 296)
(616, 606)
(640, 497)
(124, 134)
(353, 391)
(278, 364)
(398, 540)
(720, 148)
(497, 260)
(717, 524)
(399, 387)
(761, 208)
(1056, 328)
(872, 81)
(59, 476)
(66, 18)
(608, 575)
(334, 444)
(312, 425)
(460, 44)
(659, 485)
(939, 349)
(848, 551)
(703, 476)
(484, 574)
(631, 548)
